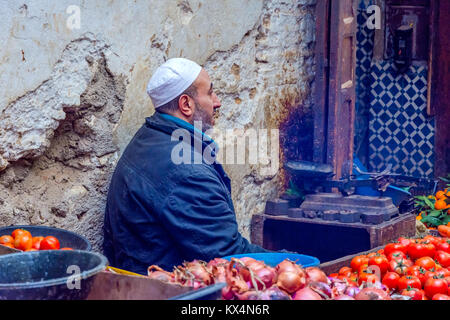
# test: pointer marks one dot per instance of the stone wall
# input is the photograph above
(71, 99)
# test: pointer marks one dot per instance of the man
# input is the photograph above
(160, 212)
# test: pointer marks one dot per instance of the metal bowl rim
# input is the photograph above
(48, 227)
(58, 281)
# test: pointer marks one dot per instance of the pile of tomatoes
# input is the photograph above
(418, 268)
(23, 240)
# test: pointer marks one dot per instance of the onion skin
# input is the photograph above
(306, 294)
(290, 281)
(372, 294)
(314, 274)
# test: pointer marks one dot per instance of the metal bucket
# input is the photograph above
(49, 275)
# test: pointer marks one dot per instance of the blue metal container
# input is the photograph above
(66, 238)
(272, 259)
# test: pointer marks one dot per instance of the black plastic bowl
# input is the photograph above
(66, 238)
(49, 275)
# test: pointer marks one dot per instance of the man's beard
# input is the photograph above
(200, 115)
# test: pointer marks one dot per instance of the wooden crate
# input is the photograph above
(334, 266)
(326, 240)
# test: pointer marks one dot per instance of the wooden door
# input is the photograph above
(335, 113)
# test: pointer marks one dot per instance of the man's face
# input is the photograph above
(206, 101)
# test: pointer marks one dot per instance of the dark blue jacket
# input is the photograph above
(163, 213)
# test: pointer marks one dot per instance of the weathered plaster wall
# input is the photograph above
(70, 100)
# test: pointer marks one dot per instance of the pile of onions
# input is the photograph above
(249, 279)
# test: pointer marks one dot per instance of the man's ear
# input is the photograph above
(186, 105)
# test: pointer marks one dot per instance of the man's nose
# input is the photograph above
(217, 103)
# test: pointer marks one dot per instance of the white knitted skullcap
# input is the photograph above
(171, 79)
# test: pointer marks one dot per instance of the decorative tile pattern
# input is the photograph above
(400, 132)
(364, 54)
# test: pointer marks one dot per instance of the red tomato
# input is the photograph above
(444, 246)
(433, 240)
(397, 255)
(334, 275)
(358, 262)
(390, 280)
(441, 296)
(434, 286)
(18, 232)
(345, 271)
(381, 262)
(443, 258)
(6, 239)
(415, 294)
(443, 273)
(400, 266)
(391, 247)
(368, 278)
(419, 250)
(23, 242)
(404, 241)
(426, 262)
(418, 272)
(9, 245)
(353, 279)
(66, 248)
(49, 243)
(409, 281)
(37, 242)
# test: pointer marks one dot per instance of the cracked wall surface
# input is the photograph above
(71, 100)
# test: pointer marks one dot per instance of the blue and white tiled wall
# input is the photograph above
(364, 54)
(394, 106)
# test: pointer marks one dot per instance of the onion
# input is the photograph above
(288, 266)
(161, 276)
(306, 294)
(217, 262)
(290, 281)
(227, 293)
(314, 274)
(199, 272)
(267, 275)
(344, 297)
(247, 260)
(372, 294)
(219, 273)
(338, 286)
(274, 293)
(323, 289)
(352, 291)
